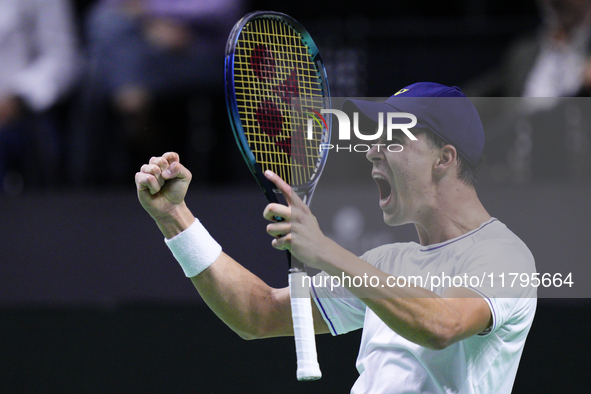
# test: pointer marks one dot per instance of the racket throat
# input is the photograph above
(295, 265)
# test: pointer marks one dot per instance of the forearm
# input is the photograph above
(244, 302)
(417, 314)
(239, 298)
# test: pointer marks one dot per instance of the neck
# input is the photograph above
(459, 212)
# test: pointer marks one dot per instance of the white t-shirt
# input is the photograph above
(560, 66)
(485, 363)
(39, 60)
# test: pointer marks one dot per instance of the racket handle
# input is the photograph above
(303, 328)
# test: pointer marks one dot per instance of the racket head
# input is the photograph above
(276, 87)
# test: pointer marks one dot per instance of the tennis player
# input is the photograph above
(434, 337)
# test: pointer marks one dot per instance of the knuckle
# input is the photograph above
(153, 169)
(140, 177)
(159, 162)
(152, 179)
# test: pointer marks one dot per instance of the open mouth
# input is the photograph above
(384, 186)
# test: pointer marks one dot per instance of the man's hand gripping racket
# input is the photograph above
(297, 229)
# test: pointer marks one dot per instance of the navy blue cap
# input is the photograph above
(444, 110)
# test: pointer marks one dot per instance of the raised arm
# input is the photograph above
(239, 298)
(417, 314)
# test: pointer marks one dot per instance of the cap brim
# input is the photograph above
(371, 110)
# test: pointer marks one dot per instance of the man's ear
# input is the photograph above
(445, 160)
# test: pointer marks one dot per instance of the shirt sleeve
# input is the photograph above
(341, 310)
(499, 268)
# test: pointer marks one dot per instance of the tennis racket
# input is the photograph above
(276, 87)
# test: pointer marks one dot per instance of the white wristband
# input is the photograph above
(194, 249)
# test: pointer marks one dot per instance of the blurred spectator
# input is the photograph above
(553, 61)
(545, 136)
(146, 57)
(37, 68)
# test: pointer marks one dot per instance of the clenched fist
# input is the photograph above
(161, 187)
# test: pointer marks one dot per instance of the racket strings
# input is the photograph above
(277, 85)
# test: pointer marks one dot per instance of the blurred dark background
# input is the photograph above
(91, 301)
